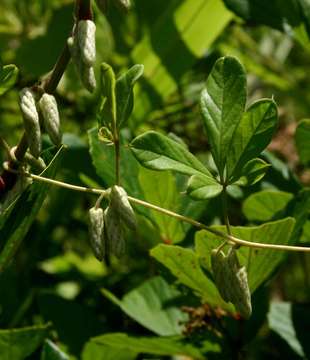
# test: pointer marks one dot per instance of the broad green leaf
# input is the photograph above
(160, 189)
(263, 262)
(107, 111)
(124, 93)
(16, 220)
(8, 77)
(280, 320)
(51, 351)
(149, 345)
(302, 137)
(202, 187)
(189, 27)
(184, 265)
(264, 205)
(18, 344)
(151, 305)
(252, 135)
(159, 152)
(222, 104)
(97, 351)
(252, 172)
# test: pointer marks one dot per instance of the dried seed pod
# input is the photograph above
(28, 108)
(114, 232)
(86, 31)
(96, 232)
(119, 201)
(49, 109)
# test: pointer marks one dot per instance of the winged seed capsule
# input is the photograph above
(96, 232)
(86, 31)
(28, 108)
(49, 109)
(119, 201)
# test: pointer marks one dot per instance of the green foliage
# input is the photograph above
(302, 141)
(8, 77)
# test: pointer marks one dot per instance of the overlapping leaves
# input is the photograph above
(237, 137)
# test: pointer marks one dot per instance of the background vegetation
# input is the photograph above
(54, 284)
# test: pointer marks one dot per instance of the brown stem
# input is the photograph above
(8, 179)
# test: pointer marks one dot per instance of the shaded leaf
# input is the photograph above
(302, 137)
(8, 77)
(17, 344)
(107, 111)
(151, 305)
(124, 93)
(264, 205)
(222, 104)
(252, 172)
(98, 351)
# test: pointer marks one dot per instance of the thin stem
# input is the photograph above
(225, 211)
(193, 222)
(117, 160)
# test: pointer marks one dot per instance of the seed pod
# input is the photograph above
(119, 201)
(219, 269)
(88, 78)
(116, 242)
(86, 31)
(31, 121)
(96, 232)
(49, 109)
(231, 280)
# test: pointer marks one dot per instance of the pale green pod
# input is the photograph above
(114, 232)
(28, 108)
(219, 270)
(96, 232)
(49, 110)
(86, 31)
(119, 200)
(88, 78)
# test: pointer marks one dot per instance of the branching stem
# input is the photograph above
(231, 239)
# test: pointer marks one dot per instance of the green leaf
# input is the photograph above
(253, 134)
(263, 262)
(264, 205)
(16, 220)
(51, 351)
(302, 137)
(124, 93)
(189, 27)
(151, 305)
(201, 187)
(107, 111)
(222, 104)
(184, 265)
(280, 320)
(98, 351)
(18, 344)
(159, 152)
(252, 172)
(149, 345)
(8, 77)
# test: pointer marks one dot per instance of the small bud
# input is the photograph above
(119, 201)
(31, 121)
(86, 31)
(116, 242)
(96, 232)
(49, 109)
